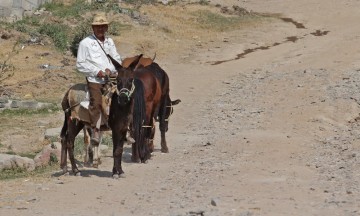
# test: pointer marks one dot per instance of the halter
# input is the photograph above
(126, 91)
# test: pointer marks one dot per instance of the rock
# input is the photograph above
(14, 104)
(214, 201)
(29, 104)
(15, 161)
(103, 148)
(47, 154)
(52, 132)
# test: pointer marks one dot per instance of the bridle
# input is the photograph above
(125, 91)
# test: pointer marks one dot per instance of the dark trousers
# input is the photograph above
(95, 106)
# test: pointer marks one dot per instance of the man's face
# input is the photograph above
(99, 30)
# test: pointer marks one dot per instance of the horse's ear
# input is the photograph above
(135, 62)
(175, 102)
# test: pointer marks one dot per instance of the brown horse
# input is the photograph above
(165, 107)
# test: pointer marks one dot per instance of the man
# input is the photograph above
(92, 60)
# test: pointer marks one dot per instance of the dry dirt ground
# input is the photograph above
(267, 126)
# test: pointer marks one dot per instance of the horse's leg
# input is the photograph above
(118, 145)
(151, 136)
(162, 128)
(163, 124)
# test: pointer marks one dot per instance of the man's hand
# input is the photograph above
(107, 72)
(102, 74)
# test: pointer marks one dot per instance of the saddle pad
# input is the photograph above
(85, 104)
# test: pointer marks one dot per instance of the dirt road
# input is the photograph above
(268, 132)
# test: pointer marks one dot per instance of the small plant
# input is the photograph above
(53, 159)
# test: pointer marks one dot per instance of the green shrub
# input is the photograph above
(77, 8)
(58, 33)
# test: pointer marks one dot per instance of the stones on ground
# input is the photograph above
(52, 133)
(15, 161)
(214, 201)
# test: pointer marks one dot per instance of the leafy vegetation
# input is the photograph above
(58, 33)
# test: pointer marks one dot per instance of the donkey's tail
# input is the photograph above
(65, 106)
(139, 118)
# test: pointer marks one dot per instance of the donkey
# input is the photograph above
(76, 119)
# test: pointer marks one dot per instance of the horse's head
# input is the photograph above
(169, 110)
(125, 82)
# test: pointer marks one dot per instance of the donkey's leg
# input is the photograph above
(135, 153)
(96, 151)
(88, 158)
(74, 129)
(63, 162)
(118, 145)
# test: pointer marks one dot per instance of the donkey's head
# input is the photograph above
(125, 82)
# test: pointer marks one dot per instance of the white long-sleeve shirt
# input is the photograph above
(91, 58)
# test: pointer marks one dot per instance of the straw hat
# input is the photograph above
(100, 19)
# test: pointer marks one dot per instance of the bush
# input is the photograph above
(58, 33)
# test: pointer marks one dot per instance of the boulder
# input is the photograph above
(43, 158)
(14, 161)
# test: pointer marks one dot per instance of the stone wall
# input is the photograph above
(14, 9)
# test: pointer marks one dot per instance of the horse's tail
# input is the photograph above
(163, 78)
(139, 118)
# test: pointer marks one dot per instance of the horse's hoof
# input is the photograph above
(87, 164)
(77, 173)
(117, 176)
(164, 150)
(135, 160)
(144, 161)
(65, 173)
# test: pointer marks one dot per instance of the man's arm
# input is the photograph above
(83, 64)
